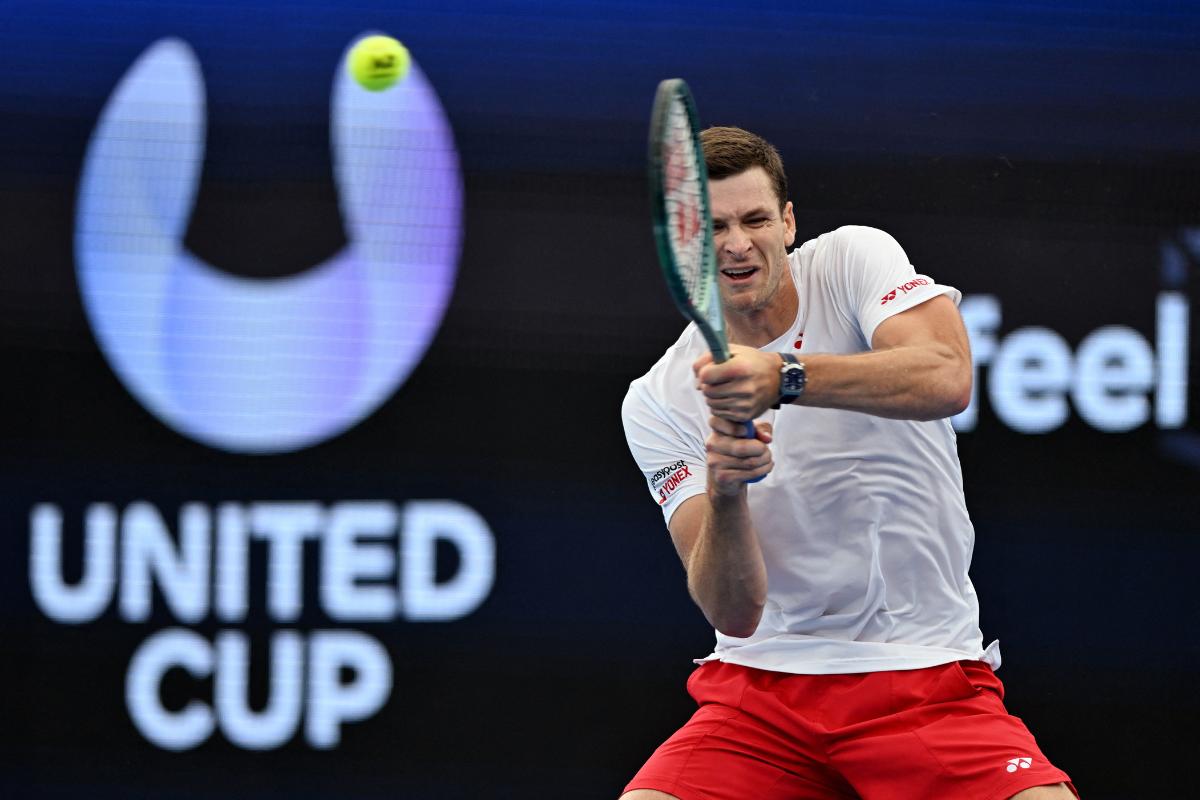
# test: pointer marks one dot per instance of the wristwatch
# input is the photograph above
(792, 379)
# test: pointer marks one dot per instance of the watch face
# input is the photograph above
(793, 379)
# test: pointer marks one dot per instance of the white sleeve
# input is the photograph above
(875, 279)
(671, 458)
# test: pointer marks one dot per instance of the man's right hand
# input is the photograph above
(734, 460)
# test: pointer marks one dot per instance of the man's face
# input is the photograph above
(752, 236)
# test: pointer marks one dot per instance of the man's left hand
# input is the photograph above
(741, 388)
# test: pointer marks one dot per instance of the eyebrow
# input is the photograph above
(758, 211)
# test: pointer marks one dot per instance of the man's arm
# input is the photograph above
(919, 367)
(715, 537)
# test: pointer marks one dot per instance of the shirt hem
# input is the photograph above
(989, 655)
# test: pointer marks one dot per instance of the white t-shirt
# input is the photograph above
(862, 521)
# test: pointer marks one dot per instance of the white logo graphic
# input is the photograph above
(265, 366)
(1013, 763)
(374, 562)
(1116, 380)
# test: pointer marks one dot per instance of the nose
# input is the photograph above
(735, 242)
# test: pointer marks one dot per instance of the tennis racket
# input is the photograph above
(682, 220)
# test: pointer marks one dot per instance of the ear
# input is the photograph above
(789, 222)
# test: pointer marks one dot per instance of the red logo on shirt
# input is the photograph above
(679, 472)
(799, 341)
(903, 288)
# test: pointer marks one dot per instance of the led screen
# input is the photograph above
(314, 476)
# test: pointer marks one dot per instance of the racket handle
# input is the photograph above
(750, 433)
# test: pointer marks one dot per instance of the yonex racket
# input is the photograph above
(682, 220)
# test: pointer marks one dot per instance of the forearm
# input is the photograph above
(907, 382)
(919, 367)
(726, 574)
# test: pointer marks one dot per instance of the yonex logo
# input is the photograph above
(265, 366)
(664, 472)
(666, 480)
(903, 289)
(1015, 763)
(672, 483)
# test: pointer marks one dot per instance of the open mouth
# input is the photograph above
(739, 274)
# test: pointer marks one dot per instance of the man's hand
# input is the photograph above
(733, 460)
(741, 388)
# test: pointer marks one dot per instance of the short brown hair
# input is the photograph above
(732, 151)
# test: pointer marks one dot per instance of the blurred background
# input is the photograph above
(443, 577)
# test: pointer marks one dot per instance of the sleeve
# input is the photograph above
(875, 279)
(671, 458)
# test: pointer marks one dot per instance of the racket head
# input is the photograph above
(681, 214)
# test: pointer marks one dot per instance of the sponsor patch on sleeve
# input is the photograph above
(904, 289)
(668, 479)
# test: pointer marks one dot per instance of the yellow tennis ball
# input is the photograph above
(378, 62)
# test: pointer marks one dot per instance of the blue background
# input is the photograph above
(1039, 152)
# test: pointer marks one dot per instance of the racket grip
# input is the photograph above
(750, 433)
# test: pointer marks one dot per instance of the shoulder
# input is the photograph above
(671, 375)
(854, 245)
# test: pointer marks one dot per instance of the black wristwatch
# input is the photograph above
(792, 379)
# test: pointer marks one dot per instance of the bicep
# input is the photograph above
(935, 322)
(685, 525)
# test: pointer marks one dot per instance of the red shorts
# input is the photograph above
(939, 732)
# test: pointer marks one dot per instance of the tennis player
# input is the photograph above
(849, 661)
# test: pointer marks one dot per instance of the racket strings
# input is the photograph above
(684, 203)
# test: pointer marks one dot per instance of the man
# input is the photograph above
(849, 661)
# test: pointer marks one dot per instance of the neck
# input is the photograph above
(760, 326)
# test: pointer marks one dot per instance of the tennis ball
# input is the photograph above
(378, 62)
